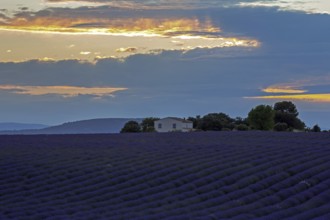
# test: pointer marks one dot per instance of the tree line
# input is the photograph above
(283, 116)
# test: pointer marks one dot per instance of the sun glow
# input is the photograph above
(116, 37)
(126, 27)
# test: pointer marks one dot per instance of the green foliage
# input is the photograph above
(281, 126)
(239, 121)
(131, 127)
(286, 107)
(195, 121)
(147, 125)
(316, 128)
(261, 117)
(215, 122)
(242, 127)
(286, 112)
(283, 117)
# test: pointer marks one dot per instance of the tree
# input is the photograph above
(131, 127)
(241, 124)
(261, 117)
(240, 120)
(216, 122)
(242, 127)
(316, 128)
(195, 121)
(286, 112)
(286, 107)
(281, 126)
(147, 124)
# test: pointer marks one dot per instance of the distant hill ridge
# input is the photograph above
(91, 126)
(10, 126)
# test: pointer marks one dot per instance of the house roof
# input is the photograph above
(177, 119)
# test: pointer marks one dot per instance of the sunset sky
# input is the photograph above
(67, 60)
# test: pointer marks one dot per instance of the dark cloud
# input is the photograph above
(3, 16)
(167, 3)
(24, 8)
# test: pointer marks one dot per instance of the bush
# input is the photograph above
(316, 128)
(242, 127)
(131, 126)
(225, 129)
(281, 126)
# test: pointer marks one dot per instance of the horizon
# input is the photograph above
(70, 60)
(124, 118)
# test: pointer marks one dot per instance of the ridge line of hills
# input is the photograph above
(89, 126)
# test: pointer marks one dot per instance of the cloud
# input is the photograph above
(127, 50)
(298, 86)
(141, 26)
(323, 98)
(216, 82)
(293, 91)
(85, 53)
(310, 7)
(46, 59)
(151, 4)
(64, 91)
(3, 18)
(125, 28)
(320, 6)
(283, 89)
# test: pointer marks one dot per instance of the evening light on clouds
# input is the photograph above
(105, 58)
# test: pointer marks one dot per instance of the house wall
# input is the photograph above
(169, 124)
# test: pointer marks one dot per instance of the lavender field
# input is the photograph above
(202, 175)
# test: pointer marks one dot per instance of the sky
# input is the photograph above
(68, 60)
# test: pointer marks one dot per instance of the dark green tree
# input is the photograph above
(147, 124)
(261, 117)
(195, 120)
(131, 127)
(281, 126)
(239, 121)
(242, 127)
(216, 122)
(286, 107)
(316, 128)
(286, 112)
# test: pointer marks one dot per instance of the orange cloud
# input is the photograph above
(64, 91)
(126, 34)
(295, 87)
(283, 89)
(126, 27)
(293, 91)
(303, 97)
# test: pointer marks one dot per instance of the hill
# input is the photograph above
(20, 126)
(200, 175)
(91, 126)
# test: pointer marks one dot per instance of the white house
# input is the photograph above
(173, 124)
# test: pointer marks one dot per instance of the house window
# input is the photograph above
(160, 126)
(174, 126)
